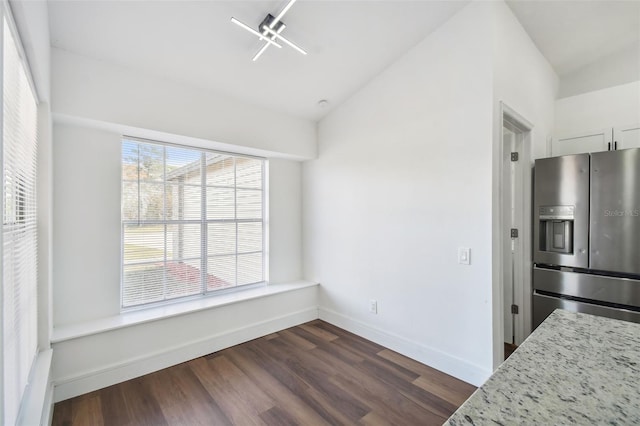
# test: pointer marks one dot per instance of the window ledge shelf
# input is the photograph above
(128, 319)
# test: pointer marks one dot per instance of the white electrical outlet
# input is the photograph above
(373, 306)
(464, 255)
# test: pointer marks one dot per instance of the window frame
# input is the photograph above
(204, 255)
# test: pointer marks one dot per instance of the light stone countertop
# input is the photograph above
(575, 369)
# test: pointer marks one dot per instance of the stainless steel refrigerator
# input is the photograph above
(586, 216)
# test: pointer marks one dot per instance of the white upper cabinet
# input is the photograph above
(605, 111)
(580, 143)
(609, 139)
(626, 137)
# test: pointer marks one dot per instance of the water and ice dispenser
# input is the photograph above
(556, 229)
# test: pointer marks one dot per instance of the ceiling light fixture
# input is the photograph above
(269, 30)
(261, 51)
(252, 31)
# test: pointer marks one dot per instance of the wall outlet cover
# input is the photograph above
(373, 306)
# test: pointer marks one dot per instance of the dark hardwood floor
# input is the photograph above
(509, 348)
(312, 374)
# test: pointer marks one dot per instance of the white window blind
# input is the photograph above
(19, 241)
(192, 222)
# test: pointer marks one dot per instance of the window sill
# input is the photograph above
(128, 319)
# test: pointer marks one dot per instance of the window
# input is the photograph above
(192, 222)
(19, 226)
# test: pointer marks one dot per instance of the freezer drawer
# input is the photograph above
(543, 305)
(622, 291)
(615, 211)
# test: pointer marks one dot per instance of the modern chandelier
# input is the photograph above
(269, 30)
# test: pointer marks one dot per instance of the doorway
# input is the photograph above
(512, 214)
(514, 231)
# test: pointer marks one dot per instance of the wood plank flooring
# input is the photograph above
(312, 374)
(509, 348)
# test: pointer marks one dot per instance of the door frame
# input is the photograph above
(522, 322)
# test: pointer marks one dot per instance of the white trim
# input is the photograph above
(524, 321)
(47, 409)
(131, 318)
(142, 133)
(88, 381)
(515, 118)
(266, 217)
(418, 351)
(2, 206)
(138, 139)
(37, 403)
(20, 47)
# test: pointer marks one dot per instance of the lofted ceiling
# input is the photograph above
(574, 33)
(349, 42)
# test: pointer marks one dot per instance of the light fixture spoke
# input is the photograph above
(284, 40)
(281, 14)
(254, 32)
(260, 52)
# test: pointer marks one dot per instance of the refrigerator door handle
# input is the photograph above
(609, 146)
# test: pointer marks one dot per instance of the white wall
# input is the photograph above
(404, 178)
(285, 220)
(94, 90)
(93, 104)
(619, 68)
(614, 106)
(406, 174)
(86, 227)
(86, 247)
(523, 78)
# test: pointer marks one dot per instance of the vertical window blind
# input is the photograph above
(192, 222)
(19, 240)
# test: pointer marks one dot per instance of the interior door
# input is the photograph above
(512, 211)
(615, 211)
(508, 138)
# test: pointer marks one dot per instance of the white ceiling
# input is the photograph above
(574, 33)
(349, 42)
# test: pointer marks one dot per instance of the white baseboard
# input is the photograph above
(435, 358)
(69, 387)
